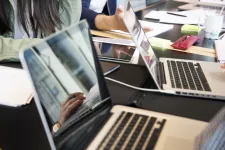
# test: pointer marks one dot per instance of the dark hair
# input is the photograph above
(35, 14)
(3, 18)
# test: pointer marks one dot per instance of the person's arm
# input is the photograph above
(10, 48)
(104, 22)
(86, 3)
(90, 16)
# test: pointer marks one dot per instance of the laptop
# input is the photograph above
(181, 77)
(67, 62)
(208, 5)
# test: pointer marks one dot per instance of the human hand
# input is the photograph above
(118, 23)
(121, 49)
(73, 102)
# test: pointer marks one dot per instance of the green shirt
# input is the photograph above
(9, 47)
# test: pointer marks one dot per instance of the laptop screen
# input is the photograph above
(141, 41)
(66, 76)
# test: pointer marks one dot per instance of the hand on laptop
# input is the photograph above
(72, 103)
(118, 23)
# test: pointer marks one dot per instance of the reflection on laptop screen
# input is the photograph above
(59, 67)
(141, 42)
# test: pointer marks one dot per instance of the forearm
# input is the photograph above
(104, 22)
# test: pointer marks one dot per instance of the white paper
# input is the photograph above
(158, 28)
(15, 88)
(155, 14)
(192, 17)
(220, 51)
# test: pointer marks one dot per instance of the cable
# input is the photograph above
(140, 89)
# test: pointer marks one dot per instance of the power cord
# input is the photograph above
(140, 89)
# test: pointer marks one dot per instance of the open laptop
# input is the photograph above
(183, 77)
(209, 5)
(206, 5)
(67, 62)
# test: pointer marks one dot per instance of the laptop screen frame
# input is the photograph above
(156, 75)
(103, 89)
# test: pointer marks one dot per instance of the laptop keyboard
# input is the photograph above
(133, 131)
(187, 75)
(211, 8)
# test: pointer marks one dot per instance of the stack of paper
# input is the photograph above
(183, 17)
(15, 88)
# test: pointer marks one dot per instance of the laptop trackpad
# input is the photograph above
(175, 143)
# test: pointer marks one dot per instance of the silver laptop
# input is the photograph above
(183, 77)
(66, 63)
(209, 5)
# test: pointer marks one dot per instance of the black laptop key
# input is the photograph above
(118, 119)
(189, 77)
(136, 132)
(117, 132)
(146, 132)
(195, 76)
(203, 78)
(171, 74)
(176, 75)
(127, 132)
(182, 75)
(155, 135)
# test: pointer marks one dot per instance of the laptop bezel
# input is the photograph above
(159, 85)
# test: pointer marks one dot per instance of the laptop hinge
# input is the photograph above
(162, 77)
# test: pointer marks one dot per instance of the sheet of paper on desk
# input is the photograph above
(15, 88)
(158, 28)
(192, 17)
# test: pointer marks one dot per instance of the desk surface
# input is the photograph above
(21, 128)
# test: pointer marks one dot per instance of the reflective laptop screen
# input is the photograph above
(141, 42)
(63, 65)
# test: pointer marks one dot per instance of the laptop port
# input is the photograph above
(191, 94)
(184, 93)
(177, 92)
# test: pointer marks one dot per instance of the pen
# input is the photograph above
(175, 14)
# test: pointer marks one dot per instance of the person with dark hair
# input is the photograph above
(24, 22)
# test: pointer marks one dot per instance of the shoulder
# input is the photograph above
(70, 11)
